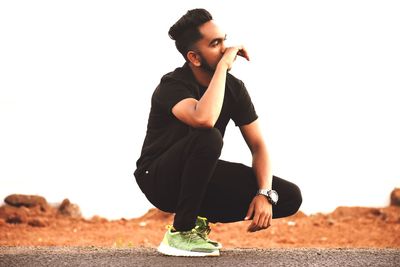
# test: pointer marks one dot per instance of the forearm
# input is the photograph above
(262, 167)
(209, 107)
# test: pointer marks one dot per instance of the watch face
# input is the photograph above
(273, 195)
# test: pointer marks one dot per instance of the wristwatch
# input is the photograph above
(270, 194)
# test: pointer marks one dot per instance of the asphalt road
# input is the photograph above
(92, 256)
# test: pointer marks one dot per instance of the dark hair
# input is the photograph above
(186, 32)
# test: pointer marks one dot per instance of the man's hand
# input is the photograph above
(231, 53)
(262, 211)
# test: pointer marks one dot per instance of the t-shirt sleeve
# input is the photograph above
(167, 95)
(243, 112)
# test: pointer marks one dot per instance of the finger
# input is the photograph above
(267, 222)
(255, 223)
(262, 221)
(270, 220)
(256, 219)
(243, 53)
(252, 228)
(250, 212)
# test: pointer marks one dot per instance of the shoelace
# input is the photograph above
(192, 233)
(204, 232)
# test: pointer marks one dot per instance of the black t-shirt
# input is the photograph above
(164, 129)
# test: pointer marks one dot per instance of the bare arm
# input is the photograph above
(261, 161)
(259, 208)
(205, 112)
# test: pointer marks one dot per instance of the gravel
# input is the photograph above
(95, 256)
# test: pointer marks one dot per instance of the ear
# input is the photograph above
(194, 58)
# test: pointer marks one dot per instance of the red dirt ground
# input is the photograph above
(345, 227)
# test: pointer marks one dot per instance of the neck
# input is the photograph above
(202, 77)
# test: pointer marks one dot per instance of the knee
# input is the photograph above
(210, 139)
(296, 198)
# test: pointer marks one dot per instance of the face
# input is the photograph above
(211, 47)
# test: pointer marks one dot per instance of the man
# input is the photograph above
(179, 169)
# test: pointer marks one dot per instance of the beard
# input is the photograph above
(205, 66)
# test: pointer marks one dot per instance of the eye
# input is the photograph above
(215, 43)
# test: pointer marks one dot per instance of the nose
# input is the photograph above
(223, 47)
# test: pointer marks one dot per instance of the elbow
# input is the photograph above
(204, 118)
(205, 123)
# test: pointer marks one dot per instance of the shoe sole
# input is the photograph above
(217, 245)
(170, 251)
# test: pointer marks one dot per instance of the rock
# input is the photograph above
(37, 211)
(395, 197)
(37, 222)
(16, 219)
(68, 209)
(7, 210)
(156, 214)
(98, 219)
(331, 221)
(298, 215)
(18, 200)
(13, 215)
(374, 212)
(343, 213)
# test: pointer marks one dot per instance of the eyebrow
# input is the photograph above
(217, 39)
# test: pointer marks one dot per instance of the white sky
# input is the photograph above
(76, 79)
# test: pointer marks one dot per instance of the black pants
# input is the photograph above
(190, 180)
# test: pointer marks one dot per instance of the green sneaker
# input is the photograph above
(188, 243)
(204, 230)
